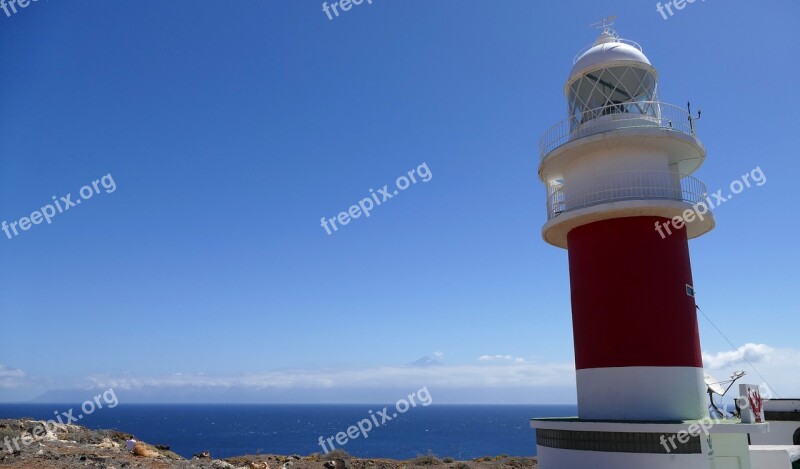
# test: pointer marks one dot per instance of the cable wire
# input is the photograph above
(736, 349)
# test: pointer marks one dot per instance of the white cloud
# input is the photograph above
(781, 367)
(507, 358)
(509, 374)
(753, 353)
(11, 378)
(777, 368)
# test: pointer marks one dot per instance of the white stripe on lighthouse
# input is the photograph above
(642, 393)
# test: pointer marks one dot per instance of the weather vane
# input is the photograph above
(605, 24)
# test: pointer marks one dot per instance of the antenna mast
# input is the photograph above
(605, 24)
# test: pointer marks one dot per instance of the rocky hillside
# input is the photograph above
(27, 443)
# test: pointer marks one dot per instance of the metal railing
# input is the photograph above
(613, 117)
(623, 185)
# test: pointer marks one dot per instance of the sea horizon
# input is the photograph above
(461, 431)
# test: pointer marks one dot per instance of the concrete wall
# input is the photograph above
(551, 458)
(780, 433)
(730, 451)
(771, 457)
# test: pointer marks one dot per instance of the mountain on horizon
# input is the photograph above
(425, 362)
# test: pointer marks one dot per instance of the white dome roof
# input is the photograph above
(608, 49)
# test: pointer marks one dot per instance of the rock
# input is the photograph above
(342, 464)
(141, 449)
(108, 444)
(203, 455)
(220, 464)
(258, 465)
(162, 447)
(330, 465)
(295, 456)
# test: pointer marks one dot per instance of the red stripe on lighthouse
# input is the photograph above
(629, 300)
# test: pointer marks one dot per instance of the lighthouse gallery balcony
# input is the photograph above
(616, 116)
(623, 185)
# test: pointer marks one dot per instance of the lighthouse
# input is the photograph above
(623, 201)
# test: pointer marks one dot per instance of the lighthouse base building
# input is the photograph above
(622, 200)
(573, 443)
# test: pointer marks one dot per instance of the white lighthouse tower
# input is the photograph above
(622, 200)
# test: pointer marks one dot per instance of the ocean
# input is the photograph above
(457, 431)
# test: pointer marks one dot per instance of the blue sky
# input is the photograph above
(231, 128)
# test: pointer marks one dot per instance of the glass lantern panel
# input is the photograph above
(612, 90)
